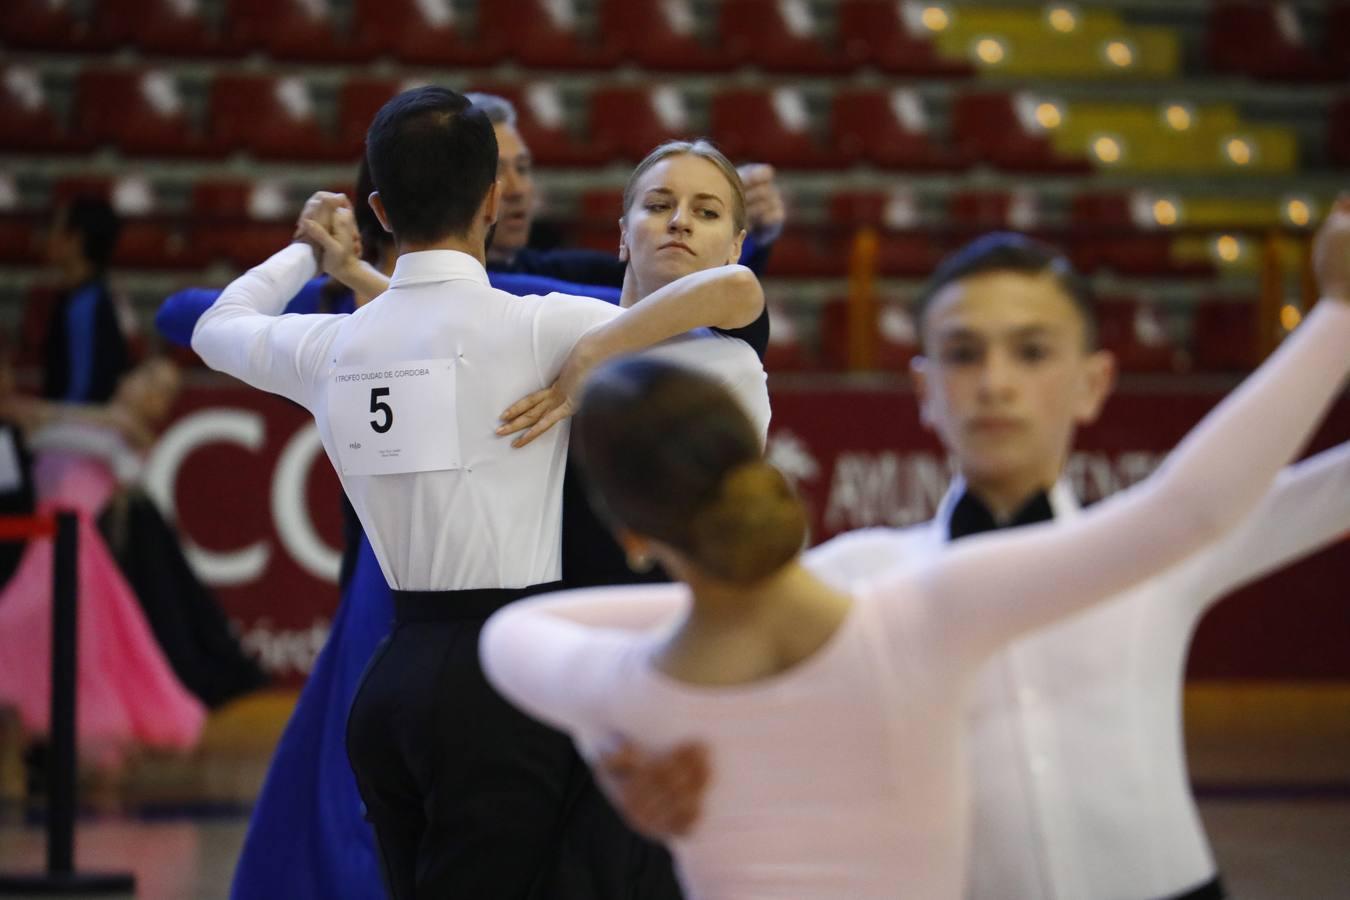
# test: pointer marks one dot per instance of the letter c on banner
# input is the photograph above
(291, 512)
(234, 426)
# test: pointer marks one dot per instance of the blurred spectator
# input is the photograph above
(87, 350)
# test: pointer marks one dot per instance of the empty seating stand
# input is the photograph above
(889, 129)
(270, 118)
(541, 35)
(777, 35)
(873, 32)
(986, 128)
(626, 123)
(662, 35)
(141, 112)
(420, 32)
(770, 126)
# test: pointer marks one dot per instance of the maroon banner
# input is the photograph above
(257, 502)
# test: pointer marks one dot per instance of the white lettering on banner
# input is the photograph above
(234, 426)
(285, 651)
(792, 457)
(291, 512)
(884, 488)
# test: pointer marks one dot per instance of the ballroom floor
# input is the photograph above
(1271, 764)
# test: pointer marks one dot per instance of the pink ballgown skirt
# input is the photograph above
(126, 693)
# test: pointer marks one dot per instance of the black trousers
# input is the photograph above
(470, 798)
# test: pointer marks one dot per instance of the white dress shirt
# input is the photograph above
(1075, 737)
(493, 521)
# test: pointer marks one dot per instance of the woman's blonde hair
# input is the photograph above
(703, 149)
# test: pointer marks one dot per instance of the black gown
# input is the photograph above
(183, 613)
(599, 856)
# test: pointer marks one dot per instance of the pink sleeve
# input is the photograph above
(560, 656)
(989, 589)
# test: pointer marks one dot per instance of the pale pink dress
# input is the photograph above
(844, 776)
(127, 695)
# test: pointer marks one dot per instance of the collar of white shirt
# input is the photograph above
(425, 266)
(1062, 500)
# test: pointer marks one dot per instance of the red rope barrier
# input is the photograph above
(19, 528)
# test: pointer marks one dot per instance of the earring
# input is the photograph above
(640, 563)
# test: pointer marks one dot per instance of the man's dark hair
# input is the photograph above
(1006, 251)
(432, 157)
(98, 225)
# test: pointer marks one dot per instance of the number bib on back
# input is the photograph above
(395, 418)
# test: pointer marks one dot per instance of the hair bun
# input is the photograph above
(752, 528)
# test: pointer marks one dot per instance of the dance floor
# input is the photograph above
(1271, 764)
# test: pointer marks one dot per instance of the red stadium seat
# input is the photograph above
(292, 30)
(28, 123)
(659, 34)
(626, 123)
(411, 33)
(874, 32)
(772, 127)
(987, 128)
(358, 102)
(897, 339)
(1265, 40)
(1338, 131)
(243, 222)
(905, 249)
(887, 128)
(161, 27)
(858, 207)
(539, 34)
(243, 244)
(785, 351)
(543, 126)
(778, 35)
(1135, 333)
(873, 208)
(980, 209)
(141, 112)
(1225, 335)
(1019, 210)
(910, 254)
(602, 207)
(23, 238)
(809, 253)
(271, 118)
(1338, 37)
(596, 224)
(1107, 236)
(43, 25)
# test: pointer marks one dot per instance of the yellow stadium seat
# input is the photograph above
(1025, 44)
(1215, 141)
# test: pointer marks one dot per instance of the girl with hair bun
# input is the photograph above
(834, 720)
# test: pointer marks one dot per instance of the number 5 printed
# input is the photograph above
(377, 407)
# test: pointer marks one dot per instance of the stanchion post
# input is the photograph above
(60, 876)
(61, 775)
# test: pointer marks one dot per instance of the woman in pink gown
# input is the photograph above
(127, 694)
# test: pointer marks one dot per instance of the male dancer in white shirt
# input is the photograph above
(1079, 772)
(466, 795)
